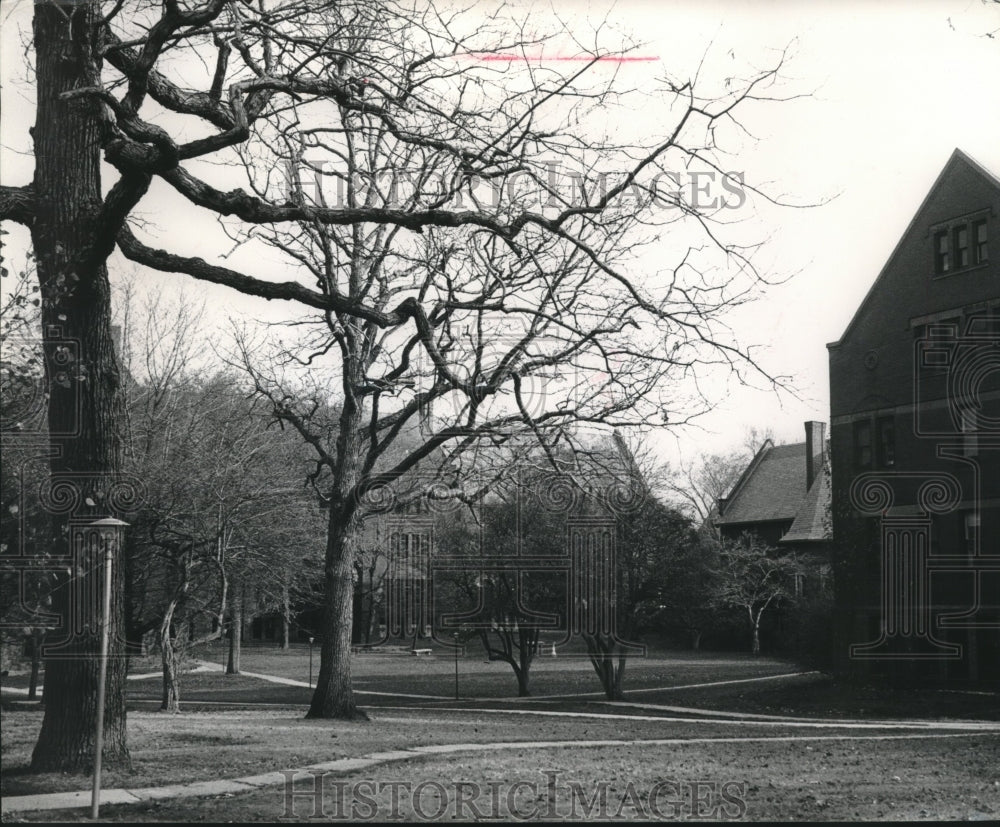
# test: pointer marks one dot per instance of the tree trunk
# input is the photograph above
(755, 647)
(37, 638)
(85, 396)
(528, 647)
(619, 676)
(601, 649)
(286, 617)
(333, 696)
(235, 636)
(523, 691)
(696, 639)
(171, 700)
(371, 603)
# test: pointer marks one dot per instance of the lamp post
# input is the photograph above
(108, 532)
(311, 662)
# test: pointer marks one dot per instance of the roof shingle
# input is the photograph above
(774, 488)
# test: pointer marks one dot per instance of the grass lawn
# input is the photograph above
(759, 780)
(202, 745)
(434, 675)
(943, 777)
(656, 679)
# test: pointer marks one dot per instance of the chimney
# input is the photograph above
(815, 448)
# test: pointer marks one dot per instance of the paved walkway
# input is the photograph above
(917, 730)
(74, 800)
(292, 682)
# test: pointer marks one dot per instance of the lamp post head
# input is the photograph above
(109, 524)
(108, 528)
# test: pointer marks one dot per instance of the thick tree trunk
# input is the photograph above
(755, 646)
(333, 696)
(523, 690)
(85, 397)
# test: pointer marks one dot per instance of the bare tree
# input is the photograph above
(754, 577)
(291, 79)
(698, 485)
(512, 606)
(218, 516)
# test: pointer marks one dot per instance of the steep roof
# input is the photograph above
(773, 488)
(958, 158)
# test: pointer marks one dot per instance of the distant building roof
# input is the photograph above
(812, 522)
(773, 488)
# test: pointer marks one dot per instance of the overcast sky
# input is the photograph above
(891, 89)
(896, 87)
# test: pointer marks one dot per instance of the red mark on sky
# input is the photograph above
(493, 57)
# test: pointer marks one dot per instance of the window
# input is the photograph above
(942, 260)
(886, 433)
(862, 444)
(800, 585)
(979, 241)
(962, 246)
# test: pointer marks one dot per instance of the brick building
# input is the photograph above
(915, 447)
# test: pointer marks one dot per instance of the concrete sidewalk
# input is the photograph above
(73, 800)
(917, 729)
(76, 800)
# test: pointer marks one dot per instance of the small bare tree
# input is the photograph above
(754, 577)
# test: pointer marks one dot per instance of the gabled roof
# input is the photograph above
(773, 488)
(957, 157)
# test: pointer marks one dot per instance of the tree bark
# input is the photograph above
(171, 700)
(601, 649)
(235, 636)
(371, 602)
(523, 690)
(85, 395)
(286, 617)
(333, 696)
